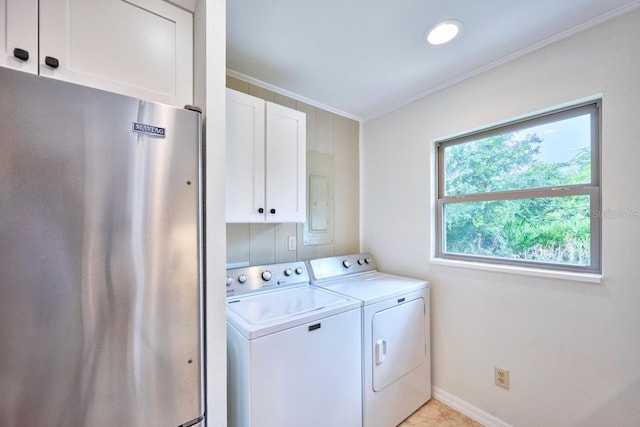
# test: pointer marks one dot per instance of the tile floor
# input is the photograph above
(435, 413)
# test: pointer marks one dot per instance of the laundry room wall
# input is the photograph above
(332, 152)
(572, 348)
(209, 94)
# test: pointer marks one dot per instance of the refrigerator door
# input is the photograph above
(100, 295)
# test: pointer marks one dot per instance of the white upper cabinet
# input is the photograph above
(266, 161)
(19, 34)
(245, 158)
(286, 164)
(140, 48)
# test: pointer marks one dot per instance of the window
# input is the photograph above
(524, 193)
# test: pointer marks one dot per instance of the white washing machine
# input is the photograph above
(293, 350)
(396, 366)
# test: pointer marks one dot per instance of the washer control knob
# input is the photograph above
(266, 275)
(242, 278)
(346, 263)
(368, 260)
(360, 261)
(229, 281)
(288, 272)
(299, 270)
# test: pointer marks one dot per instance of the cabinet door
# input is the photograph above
(19, 30)
(141, 48)
(285, 164)
(245, 158)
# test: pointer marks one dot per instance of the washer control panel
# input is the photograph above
(266, 277)
(340, 266)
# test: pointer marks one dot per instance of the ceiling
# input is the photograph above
(362, 58)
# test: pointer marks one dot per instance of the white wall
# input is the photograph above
(209, 85)
(573, 348)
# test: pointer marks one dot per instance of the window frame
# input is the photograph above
(592, 107)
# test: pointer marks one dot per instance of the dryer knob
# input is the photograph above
(288, 272)
(368, 260)
(266, 275)
(360, 261)
(346, 263)
(229, 281)
(242, 278)
(299, 270)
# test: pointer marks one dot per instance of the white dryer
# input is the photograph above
(396, 366)
(293, 350)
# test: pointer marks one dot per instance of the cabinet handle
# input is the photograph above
(272, 211)
(21, 54)
(51, 61)
(261, 210)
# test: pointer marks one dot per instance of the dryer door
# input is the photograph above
(399, 342)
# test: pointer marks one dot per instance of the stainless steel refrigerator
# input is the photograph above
(100, 258)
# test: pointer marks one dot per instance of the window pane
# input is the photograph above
(548, 155)
(551, 229)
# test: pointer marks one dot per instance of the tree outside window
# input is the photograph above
(524, 193)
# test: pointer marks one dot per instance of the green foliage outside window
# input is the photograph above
(517, 224)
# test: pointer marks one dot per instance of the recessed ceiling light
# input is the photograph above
(444, 31)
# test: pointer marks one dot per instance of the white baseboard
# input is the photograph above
(476, 414)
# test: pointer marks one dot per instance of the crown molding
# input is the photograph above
(293, 95)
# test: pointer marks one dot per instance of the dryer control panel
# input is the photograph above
(340, 266)
(266, 277)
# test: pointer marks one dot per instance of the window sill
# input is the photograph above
(523, 271)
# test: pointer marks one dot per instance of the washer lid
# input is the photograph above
(374, 287)
(265, 313)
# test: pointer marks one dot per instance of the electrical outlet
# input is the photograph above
(502, 377)
(292, 243)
